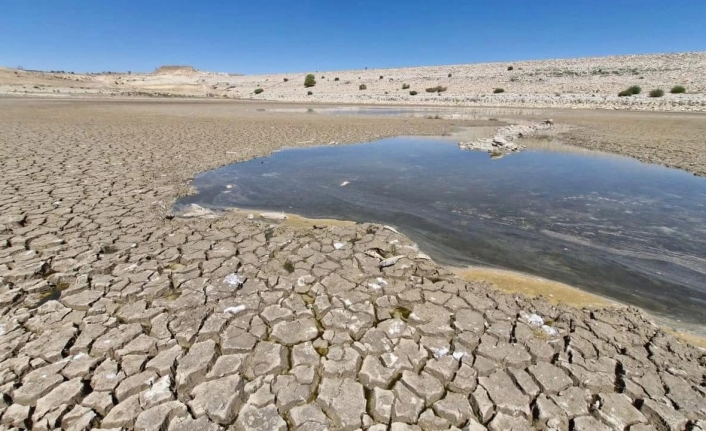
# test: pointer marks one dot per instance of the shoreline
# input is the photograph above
(503, 280)
(535, 286)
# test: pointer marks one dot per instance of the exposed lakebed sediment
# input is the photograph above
(205, 323)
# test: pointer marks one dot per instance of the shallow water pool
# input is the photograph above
(608, 224)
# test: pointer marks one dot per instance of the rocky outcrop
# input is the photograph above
(503, 142)
(175, 70)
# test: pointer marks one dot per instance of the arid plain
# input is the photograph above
(116, 314)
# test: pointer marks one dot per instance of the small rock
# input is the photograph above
(390, 261)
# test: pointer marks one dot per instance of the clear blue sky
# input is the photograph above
(307, 35)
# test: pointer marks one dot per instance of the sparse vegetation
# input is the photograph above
(510, 68)
(362, 87)
(413, 93)
(310, 80)
(677, 89)
(449, 75)
(258, 90)
(286, 79)
(336, 79)
(657, 92)
(437, 89)
(498, 90)
(309, 93)
(405, 86)
(635, 89)
(381, 76)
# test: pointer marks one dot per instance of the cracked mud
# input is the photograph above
(113, 316)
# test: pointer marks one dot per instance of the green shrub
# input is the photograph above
(437, 89)
(658, 92)
(362, 87)
(405, 86)
(510, 68)
(499, 90)
(309, 93)
(630, 91)
(412, 93)
(335, 79)
(310, 80)
(258, 90)
(677, 89)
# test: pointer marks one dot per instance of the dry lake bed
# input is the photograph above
(115, 312)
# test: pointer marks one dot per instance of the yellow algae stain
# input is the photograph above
(532, 286)
(299, 221)
(555, 292)
(687, 337)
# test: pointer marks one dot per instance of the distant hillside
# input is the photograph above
(666, 82)
(175, 70)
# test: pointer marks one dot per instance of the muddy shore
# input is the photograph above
(114, 314)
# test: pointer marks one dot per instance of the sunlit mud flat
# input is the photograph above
(431, 112)
(608, 224)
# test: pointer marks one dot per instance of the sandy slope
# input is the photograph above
(568, 83)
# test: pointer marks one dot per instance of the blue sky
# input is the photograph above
(307, 35)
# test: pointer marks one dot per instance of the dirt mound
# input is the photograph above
(175, 70)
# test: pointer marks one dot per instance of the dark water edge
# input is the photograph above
(607, 224)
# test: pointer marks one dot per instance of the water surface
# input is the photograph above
(608, 224)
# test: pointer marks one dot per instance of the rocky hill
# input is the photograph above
(563, 83)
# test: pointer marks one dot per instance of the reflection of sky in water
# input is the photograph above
(609, 224)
